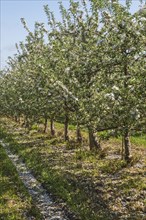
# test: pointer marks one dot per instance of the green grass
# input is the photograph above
(15, 202)
(76, 176)
(139, 140)
(61, 185)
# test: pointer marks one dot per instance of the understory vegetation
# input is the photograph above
(92, 185)
(15, 201)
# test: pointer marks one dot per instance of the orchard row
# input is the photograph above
(88, 69)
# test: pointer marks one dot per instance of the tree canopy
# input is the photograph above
(87, 69)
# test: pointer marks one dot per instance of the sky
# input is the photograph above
(11, 29)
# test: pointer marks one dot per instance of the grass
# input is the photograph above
(15, 202)
(139, 140)
(89, 183)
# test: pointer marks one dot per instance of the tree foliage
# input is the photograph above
(87, 69)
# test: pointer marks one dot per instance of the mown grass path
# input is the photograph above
(15, 201)
(49, 209)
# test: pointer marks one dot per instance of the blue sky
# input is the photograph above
(11, 29)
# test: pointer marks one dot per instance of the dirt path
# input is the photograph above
(49, 209)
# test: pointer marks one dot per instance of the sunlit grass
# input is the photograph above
(139, 140)
(72, 173)
(15, 202)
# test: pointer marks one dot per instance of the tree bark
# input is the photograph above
(27, 124)
(127, 145)
(93, 143)
(78, 132)
(66, 121)
(16, 118)
(66, 137)
(52, 130)
(46, 125)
